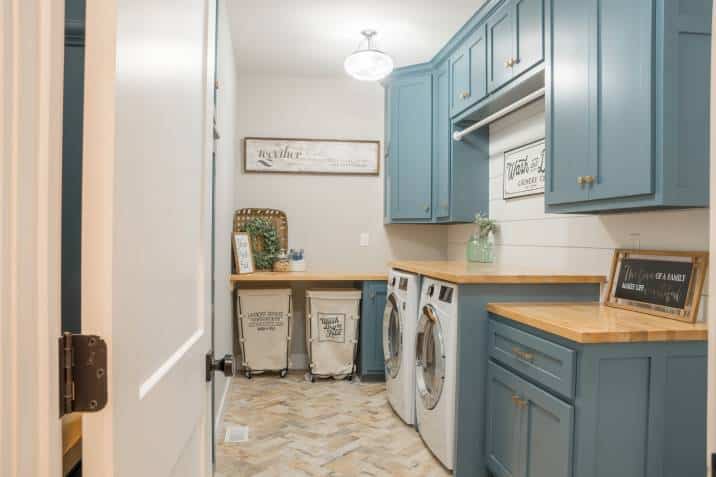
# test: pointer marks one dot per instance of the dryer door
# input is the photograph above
(392, 336)
(430, 354)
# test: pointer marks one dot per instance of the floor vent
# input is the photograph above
(236, 434)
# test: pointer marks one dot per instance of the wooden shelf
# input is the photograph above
(308, 277)
(596, 323)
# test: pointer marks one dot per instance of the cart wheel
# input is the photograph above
(350, 378)
(283, 373)
(313, 378)
(248, 374)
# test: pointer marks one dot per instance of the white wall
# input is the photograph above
(226, 111)
(326, 214)
(573, 243)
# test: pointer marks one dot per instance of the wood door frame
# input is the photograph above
(31, 80)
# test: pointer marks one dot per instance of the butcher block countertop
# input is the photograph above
(308, 277)
(596, 323)
(485, 273)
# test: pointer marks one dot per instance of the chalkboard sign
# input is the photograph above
(667, 284)
(659, 282)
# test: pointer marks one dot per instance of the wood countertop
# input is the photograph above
(307, 277)
(485, 273)
(596, 323)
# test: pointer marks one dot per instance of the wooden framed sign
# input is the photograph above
(666, 284)
(524, 170)
(311, 156)
(243, 255)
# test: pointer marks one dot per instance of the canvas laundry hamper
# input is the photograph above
(264, 327)
(333, 317)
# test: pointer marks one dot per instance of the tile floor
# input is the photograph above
(329, 428)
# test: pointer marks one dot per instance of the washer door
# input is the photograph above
(392, 337)
(430, 362)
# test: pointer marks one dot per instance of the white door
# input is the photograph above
(146, 242)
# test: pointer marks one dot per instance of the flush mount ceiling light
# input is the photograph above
(369, 63)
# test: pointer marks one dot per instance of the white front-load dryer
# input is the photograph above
(436, 367)
(399, 327)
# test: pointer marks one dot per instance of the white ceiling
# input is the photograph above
(313, 37)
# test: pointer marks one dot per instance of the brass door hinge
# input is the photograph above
(83, 373)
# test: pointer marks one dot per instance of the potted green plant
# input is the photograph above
(479, 247)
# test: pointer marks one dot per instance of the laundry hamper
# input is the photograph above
(332, 323)
(264, 327)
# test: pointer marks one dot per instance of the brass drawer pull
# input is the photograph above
(519, 402)
(523, 355)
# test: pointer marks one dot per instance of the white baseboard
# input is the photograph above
(218, 428)
(299, 361)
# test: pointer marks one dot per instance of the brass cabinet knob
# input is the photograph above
(589, 179)
(519, 402)
(580, 180)
(507, 63)
(465, 95)
(444, 205)
(523, 355)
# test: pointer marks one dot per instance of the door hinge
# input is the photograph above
(83, 373)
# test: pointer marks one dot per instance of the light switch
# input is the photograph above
(364, 239)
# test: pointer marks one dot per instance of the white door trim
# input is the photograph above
(31, 75)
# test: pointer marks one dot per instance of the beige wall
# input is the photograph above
(226, 110)
(575, 243)
(326, 214)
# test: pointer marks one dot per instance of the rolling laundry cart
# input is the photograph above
(332, 323)
(264, 327)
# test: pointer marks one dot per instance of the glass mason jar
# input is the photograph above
(479, 249)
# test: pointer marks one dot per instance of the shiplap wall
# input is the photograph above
(573, 243)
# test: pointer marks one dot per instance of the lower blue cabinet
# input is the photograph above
(372, 361)
(529, 431)
(638, 409)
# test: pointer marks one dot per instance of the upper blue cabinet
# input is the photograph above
(627, 95)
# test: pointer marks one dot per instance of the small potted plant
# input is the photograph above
(479, 247)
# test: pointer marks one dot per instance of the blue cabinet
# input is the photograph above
(500, 47)
(372, 366)
(409, 146)
(441, 143)
(430, 177)
(637, 408)
(468, 72)
(627, 127)
(529, 431)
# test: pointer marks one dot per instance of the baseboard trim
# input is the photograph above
(220, 412)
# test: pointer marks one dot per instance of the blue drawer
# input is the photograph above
(545, 362)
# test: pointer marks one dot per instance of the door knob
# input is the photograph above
(224, 365)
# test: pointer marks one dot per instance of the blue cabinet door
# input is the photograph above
(468, 72)
(567, 101)
(477, 52)
(371, 330)
(529, 34)
(500, 47)
(621, 101)
(548, 426)
(504, 437)
(441, 143)
(460, 80)
(410, 157)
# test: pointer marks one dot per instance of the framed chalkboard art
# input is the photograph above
(666, 284)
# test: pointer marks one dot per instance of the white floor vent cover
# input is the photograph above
(236, 434)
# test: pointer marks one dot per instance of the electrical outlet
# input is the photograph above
(364, 239)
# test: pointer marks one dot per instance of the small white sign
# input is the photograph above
(332, 327)
(524, 170)
(243, 255)
(319, 156)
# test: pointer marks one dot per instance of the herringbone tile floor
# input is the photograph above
(328, 428)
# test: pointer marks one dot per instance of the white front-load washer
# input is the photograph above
(436, 367)
(399, 328)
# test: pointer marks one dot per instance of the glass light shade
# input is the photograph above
(368, 65)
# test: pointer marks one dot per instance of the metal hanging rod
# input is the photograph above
(458, 135)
